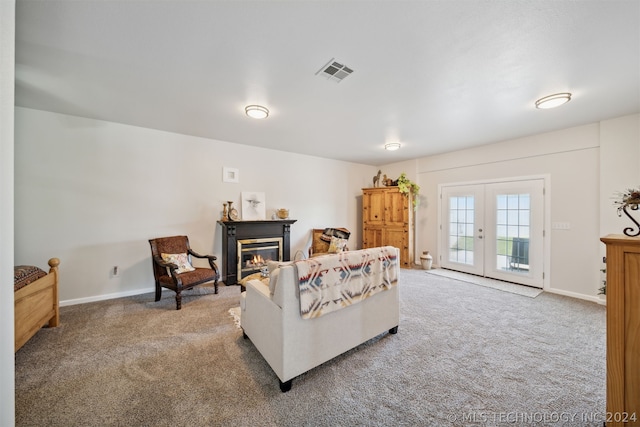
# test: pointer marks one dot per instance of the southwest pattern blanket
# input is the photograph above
(328, 283)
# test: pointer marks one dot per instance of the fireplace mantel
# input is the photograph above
(232, 231)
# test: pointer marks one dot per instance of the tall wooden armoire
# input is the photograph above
(623, 330)
(387, 216)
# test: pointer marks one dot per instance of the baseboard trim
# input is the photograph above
(106, 296)
(592, 298)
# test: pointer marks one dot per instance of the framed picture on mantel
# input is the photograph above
(253, 206)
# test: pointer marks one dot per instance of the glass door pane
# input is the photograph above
(515, 231)
(462, 208)
(461, 226)
(513, 219)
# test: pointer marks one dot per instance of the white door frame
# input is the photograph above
(546, 280)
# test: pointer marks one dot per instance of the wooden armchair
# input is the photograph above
(321, 239)
(169, 274)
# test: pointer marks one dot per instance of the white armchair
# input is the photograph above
(292, 345)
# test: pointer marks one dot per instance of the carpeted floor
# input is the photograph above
(501, 285)
(464, 355)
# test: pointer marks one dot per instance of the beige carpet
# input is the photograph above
(462, 352)
(500, 285)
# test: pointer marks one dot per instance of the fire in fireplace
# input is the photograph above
(253, 254)
(256, 262)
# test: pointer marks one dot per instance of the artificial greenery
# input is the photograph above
(603, 289)
(405, 186)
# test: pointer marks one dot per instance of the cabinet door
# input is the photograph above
(396, 208)
(373, 207)
(397, 237)
(623, 327)
(372, 237)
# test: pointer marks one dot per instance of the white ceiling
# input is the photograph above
(435, 75)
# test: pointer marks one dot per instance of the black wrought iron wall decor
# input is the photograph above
(629, 200)
(629, 230)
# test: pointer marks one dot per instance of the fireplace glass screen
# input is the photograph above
(253, 254)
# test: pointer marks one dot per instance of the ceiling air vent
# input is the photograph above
(334, 71)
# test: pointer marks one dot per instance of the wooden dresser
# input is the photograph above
(387, 216)
(623, 330)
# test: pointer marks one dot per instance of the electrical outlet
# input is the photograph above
(115, 271)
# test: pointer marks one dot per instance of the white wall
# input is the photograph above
(619, 171)
(7, 65)
(92, 193)
(585, 166)
(569, 159)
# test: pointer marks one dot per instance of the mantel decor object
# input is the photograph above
(629, 200)
(225, 212)
(282, 213)
(233, 212)
(376, 179)
(253, 206)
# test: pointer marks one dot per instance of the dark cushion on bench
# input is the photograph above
(25, 274)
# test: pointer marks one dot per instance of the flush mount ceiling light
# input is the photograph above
(392, 146)
(554, 100)
(256, 111)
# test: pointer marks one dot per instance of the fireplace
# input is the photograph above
(253, 254)
(248, 245)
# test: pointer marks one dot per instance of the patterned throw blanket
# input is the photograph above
(25, 274)
(328, 283)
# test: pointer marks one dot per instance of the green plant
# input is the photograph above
(406, 186)
(603, 289)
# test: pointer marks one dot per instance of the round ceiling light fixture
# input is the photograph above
(392, 146)
(256, 111)
(553, 101)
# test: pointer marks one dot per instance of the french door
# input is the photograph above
(494, 230)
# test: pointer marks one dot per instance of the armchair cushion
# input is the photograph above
(181, 260)
(328, 233)
(188, 278)
(337, 244)
(273, 280)
(274, 272)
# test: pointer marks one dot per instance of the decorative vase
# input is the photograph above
(233, 213)
(225, 213)
(426, 260)
(283, 213)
